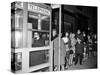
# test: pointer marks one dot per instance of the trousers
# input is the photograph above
(78, 58)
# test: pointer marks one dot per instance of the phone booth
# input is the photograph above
(30, 37)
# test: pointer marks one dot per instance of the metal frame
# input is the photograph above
(54, 6)
(59, 33)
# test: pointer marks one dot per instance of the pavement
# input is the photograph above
(89, 63)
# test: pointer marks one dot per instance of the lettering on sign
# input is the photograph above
(37, 9)
(33, 8)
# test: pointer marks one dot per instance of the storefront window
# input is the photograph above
(45, 23)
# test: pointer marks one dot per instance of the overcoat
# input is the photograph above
(56, 51)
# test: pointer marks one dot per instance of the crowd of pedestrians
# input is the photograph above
(74, 48)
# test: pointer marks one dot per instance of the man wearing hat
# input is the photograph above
(79, 35)
(37, 41)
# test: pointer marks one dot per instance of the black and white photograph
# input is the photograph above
(47, 37)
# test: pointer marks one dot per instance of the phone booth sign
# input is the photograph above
(37, 9)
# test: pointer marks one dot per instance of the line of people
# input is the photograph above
(74, 48)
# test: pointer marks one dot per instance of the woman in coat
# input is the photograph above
(72, 49)
(56, 51)
(62, 52)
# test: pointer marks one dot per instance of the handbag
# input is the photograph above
(74, 58)
(71, 52)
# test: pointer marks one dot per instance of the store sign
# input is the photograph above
(38, 9)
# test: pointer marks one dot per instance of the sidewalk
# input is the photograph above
(90, 63)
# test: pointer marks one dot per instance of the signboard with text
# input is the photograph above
(37, 9)
(34, 8)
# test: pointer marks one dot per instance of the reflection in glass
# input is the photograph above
(34, 23)
(38, 57)
(45, 25)
(16, 41)
(16, 61)
(17, 19)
